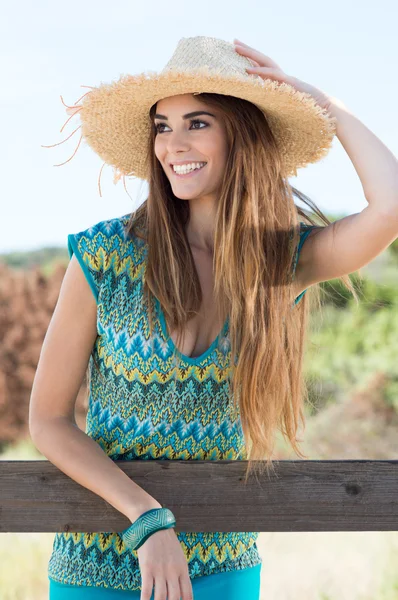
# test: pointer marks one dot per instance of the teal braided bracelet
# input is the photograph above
(148, 523)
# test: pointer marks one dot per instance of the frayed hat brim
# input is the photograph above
(116, 124)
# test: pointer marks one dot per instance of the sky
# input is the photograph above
(51, 49)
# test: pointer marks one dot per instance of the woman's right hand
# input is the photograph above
(163, 564)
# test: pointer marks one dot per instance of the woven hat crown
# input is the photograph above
(208, 53)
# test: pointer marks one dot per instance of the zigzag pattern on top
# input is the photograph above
(145, 408)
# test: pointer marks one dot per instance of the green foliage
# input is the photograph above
(393, 250)
(34, 258)
(372, 295)
(350, 342)
(336, 294)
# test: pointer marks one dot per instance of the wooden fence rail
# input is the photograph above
(303, 495)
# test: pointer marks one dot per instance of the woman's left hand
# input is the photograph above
(267, 68)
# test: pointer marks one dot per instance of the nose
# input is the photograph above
(177, 142)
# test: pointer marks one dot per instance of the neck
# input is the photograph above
(200, 227)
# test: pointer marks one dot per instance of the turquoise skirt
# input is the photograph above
(243, 584)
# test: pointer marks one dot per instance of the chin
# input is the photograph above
(186, 197)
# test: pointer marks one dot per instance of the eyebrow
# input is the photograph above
(188, 116)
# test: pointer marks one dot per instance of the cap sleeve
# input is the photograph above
(89, 249)
(304, 232)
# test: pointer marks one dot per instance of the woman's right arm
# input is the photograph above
(62, 365)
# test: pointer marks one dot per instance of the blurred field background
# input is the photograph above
(352, 371)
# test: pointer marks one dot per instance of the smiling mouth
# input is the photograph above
(190, 172)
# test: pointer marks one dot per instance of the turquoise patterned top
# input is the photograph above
(133, 415)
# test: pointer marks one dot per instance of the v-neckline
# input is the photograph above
(189, 359)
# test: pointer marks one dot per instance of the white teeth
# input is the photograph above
(182, 169)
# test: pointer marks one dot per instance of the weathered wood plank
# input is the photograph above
(305, 495)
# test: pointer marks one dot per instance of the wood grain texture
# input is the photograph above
(327, 495)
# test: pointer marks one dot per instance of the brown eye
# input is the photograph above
(192, 122)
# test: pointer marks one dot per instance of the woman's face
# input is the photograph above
(195, 139)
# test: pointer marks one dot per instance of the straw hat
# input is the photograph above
(115, 119)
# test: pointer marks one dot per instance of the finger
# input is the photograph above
(173, 589)
(146, 588)
(267, 73)
(186, 588)
(261, 58)
(254, 62)
(241, 43)
(250, 53)
(160, 588)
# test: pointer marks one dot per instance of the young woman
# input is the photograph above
(191, 311)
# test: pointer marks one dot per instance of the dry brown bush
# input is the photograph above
(27, 302)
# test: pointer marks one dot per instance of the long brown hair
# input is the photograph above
(255, 243)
